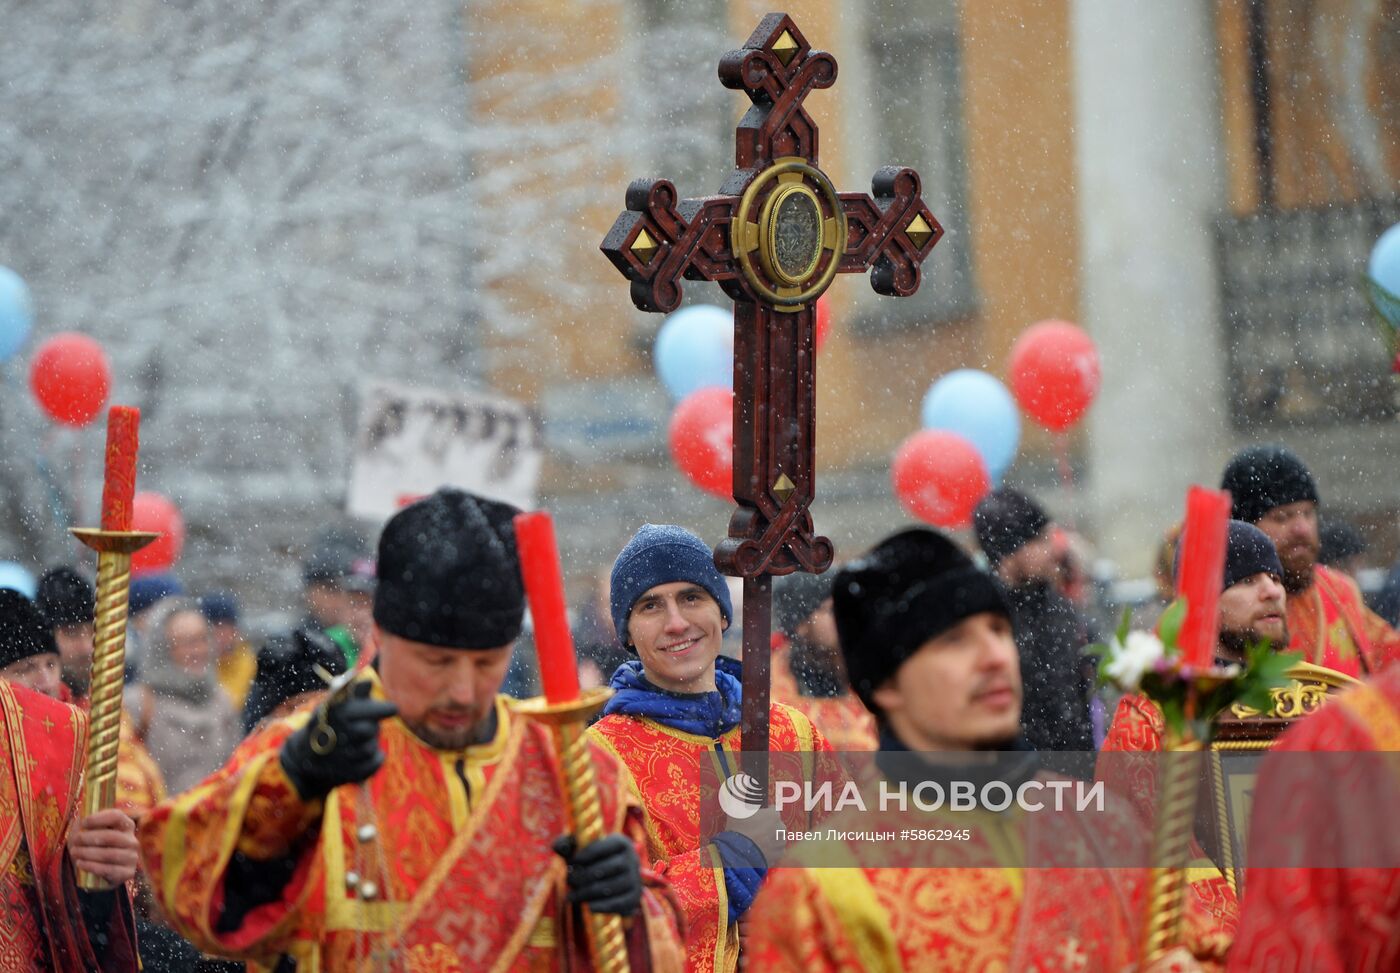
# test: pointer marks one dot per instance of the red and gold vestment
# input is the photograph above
(1328, 920)
(140, 784)
(1330, 624)
(946, 910)
(41, 767)
(456, 845)
(665, 767)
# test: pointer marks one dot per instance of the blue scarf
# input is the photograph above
(710, 714)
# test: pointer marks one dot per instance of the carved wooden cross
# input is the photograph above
(774, 239)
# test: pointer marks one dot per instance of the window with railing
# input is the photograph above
(1303, 346)
(914, 65)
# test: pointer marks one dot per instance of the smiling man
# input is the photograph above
(675, 706)
(415, 822)
(1327, 619)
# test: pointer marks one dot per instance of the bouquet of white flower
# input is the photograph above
(1190, 697)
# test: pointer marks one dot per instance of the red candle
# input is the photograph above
(544, 587)
(1202, 572)
(119, 478)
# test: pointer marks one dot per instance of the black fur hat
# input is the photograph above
(65, 597)
(23, 629)
(1261, 478)
(911, 587)
(1005, 521)
(449, 574)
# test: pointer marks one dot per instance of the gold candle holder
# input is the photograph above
(568, 721)
(1171, 846)
(114, 549)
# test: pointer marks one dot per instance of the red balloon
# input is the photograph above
(702, 440)
(823, 326)
(70, 378)
(939, 476)
(154, 512)
(1054, 373)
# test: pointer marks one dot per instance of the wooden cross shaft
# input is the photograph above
(774, 239)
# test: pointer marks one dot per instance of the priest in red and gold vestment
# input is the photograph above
(676, 707)
(808, 672)
(1328, 919)
(46, 922)
(929, 646)
(1253, 608)
(67, 600)
(411, 821)
(1327, 619)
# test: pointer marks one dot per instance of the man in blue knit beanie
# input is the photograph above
(678, 704)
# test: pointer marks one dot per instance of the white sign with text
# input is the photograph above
(411, 441)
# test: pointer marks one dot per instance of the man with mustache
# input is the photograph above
(1253, 608)
(414, 822)
(930, 649)
(1327, 619)
(46, 921)
(676, 707)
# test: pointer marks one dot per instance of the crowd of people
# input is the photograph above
(412, 819)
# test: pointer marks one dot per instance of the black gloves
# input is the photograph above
(339, 745)
(606, 876)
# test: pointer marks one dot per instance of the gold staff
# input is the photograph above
(566, 711)
(114, 549)
(115, 542)
(1171, 845)
(569, 722)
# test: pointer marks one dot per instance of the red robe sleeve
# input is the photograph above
(250, 807)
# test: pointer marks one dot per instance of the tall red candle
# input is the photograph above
(119, 477)
(1202, 571)
(544, 587)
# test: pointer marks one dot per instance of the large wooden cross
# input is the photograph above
(774, 239)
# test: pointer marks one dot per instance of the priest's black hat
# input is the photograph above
(65, 597)
(24, 631)
(1248, 551)
(909, 588)
(1261, 478)
(449, 574)
(1005, 521)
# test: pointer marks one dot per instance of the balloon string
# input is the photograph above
(75, 464)
(1066, 471)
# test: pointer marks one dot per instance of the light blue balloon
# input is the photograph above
(1384, 268)
(695, 350)
(17, 576)
(979, 408)
(16, 313)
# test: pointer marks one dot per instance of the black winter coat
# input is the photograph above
(1056, 678)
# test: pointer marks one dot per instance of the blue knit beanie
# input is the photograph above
(661, 554)
(148, 589)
